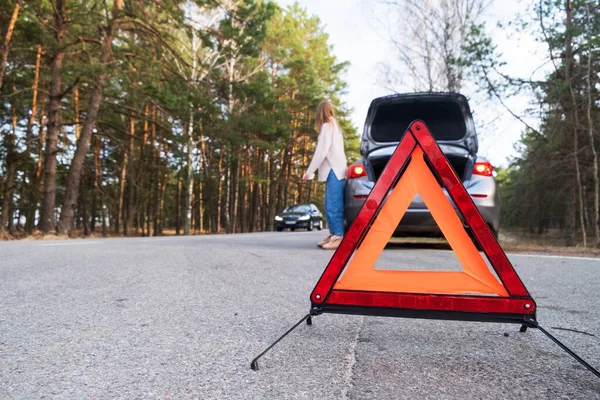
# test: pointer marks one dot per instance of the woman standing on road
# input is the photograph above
(330, 160)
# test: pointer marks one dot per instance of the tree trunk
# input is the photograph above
(107, 214)
(189, 175)
(204, 177)
(163, 181)
(138, 224)
(227, 198)
(86, 228)
(189, 168)
(193, 215)
(34, 88)
(229, 206)
(130, 176)
(72, 187)
(254, 206)
(122, 182)
(233, 185)
(574, 118)
(36, 180)
(103, 213)
(5, 47)
(195, 225)
(47, 217)
(570, 217)
(240, 198)
(141, 176)
(207, 192)
(273, 191)
(220, 190)
(31, 195)
(161, 208)
(590, 119)
(77, 121)
(286, 183)
(201, 202)
(178, 207)
(11, 169)
(128, 222)
(153, 173)
(201, 174)
(97, 144)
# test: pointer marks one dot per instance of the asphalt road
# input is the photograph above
(181, 318)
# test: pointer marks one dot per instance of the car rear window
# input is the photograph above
(444, 118)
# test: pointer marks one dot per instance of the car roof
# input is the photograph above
(421, 95)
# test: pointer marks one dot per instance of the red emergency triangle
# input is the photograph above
(419, 166)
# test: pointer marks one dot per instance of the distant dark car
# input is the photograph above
(299, 216)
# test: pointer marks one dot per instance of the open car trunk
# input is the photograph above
(444, 117)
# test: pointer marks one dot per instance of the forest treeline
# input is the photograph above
(136, 117)
(139, 117)
(552, 186)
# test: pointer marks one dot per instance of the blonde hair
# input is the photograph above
(325, 114)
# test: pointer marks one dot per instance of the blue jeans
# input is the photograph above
(334, 204)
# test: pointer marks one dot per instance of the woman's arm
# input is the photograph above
(323, 144)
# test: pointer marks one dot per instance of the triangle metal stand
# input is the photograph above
(528, 323)
(254, 363)
(534, 324)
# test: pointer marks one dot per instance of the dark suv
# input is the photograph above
(448, 117)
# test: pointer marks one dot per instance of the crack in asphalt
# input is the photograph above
(351, 362)
(572, 330)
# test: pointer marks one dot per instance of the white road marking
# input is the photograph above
(552, 256)
(533, 255)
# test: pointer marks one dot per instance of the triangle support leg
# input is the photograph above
(254, 363)
(534, 324)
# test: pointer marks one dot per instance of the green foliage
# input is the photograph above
(542, 189)
(247, 74)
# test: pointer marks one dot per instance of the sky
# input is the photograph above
(358, 36)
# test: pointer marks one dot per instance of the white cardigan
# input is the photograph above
(329, 153)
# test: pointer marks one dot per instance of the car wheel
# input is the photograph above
(320, 226)
(279, 229)
(311, 225)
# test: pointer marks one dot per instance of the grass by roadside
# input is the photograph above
(551, 242)
(76, 234)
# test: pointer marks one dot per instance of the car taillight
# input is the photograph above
(356, 171)
(483, 168)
